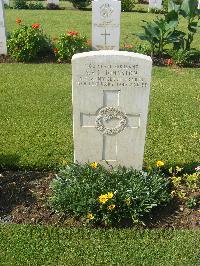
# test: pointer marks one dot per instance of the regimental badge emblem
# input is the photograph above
(106, 10)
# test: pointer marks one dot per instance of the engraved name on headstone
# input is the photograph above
(106, 24)
(110, 106)
(155, 4)
(3, 47)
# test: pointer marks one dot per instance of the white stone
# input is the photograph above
(106, 24)
(3, 47)
(7, 2)
(199, 4)
(155, 4)
(56, 2)
(113, 83)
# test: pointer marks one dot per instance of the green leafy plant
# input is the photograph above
(192, 181)
(188, 9)
(180, 57)
(35, 5)
(69, 44)
(108, 196)
(80, 4)
(161, 32)
(192, 202)
(20, 4)
(27, 43)
(142, 49)
(127, 5)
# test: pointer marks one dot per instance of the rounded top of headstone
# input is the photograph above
(111, 53)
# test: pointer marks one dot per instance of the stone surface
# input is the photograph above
(110, 106)
(155, 4)
(3, 47)
(56, 2)
(7, 2)
(106, 24)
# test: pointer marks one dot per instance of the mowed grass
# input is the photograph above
(28, 245)
(36, 108)
(36, 116)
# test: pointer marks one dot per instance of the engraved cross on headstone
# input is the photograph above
(105, 34)
(111, 98)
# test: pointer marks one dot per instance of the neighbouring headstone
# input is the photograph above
(3, 47)
(110, 105)
(155, 4)
(7, 2)
(56, 2)
(199, 4)
(106, 24)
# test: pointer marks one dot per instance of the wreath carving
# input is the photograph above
(106, 114)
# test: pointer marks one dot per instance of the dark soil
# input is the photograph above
(24, 200)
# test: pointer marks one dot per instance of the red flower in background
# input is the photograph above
(72, 33)
(55, 50)
(128, 46)
(35, 26)
(169, 62)
(18, 20)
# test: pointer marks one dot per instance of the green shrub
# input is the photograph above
(69, 44)
(143, 49)
(80, 4)
(181, 57)
(108, 196)
(27, 43)
(52, 6)
(20, 4)
(35, 5)
(127, 5)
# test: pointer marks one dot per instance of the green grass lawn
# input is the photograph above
(36, 116)
(55, 22)
(28, 245)
(36, 109)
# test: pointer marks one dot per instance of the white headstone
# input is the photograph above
(106, 24)
(110, 106)
(199, 4)
(56, 2)
(3, 47)
(7, 2)
(155, 4)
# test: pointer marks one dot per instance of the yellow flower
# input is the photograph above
(173, 193)
(110, 195)
(128, 201)
(111, 207)
(159, 163)
(94, 165)
(103, 198)
(90, 216)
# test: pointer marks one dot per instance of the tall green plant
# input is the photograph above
(161, 32)
(188, 9)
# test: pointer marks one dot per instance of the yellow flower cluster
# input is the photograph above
(90, 216)
(111, 207)
(105, 197)
(94, 165)
(160, 163)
